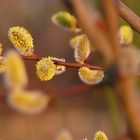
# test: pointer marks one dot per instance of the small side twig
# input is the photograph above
(129, 16)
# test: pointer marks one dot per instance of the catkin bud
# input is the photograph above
(74, 41)
(82, 49)
(100, 136)
(65, 20)
(29, 102)
(64, 135)
(22, 40)
(45, 69)
(2, 64)
(15, 73)
(89, 76)
(126, 35)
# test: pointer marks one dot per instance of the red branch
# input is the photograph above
(67, 64)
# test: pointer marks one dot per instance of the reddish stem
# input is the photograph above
(67, 64)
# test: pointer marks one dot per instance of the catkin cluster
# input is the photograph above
(19, 98)
(15, 73)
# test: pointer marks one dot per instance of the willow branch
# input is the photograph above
(112, 26)
(88, 25)
(70, 64)
(67, 64)
(126, 85)
(129, 16)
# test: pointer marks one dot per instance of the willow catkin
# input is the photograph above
(22, 40)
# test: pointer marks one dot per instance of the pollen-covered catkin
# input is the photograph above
(74, 41)
(89, 76)
(45, 69)
(126, 35)
(100, 136)
(82, 49)
(25, 101)
(65, 20)
(22, 40)
(15, 72)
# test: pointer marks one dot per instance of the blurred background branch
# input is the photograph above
(129, 16)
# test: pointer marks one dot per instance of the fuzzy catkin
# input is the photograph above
(22, 40)
(89, 76)
(45, 69)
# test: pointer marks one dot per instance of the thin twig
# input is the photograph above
(112, 26)
(67, 64)
(88, 25)
(70, 64)
(129, 16)
(126, 85)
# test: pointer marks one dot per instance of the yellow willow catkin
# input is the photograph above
(89, 76)
(15, 73)
(2, 64)
(74, 40)
(1, 49)
(65, 20)
(45, 69)
(126, 35)
(100, 136)
(22, 40)
(64, 135)
(82, 49)
(60, 69)
(29, 102)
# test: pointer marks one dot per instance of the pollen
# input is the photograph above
(2, 64)
(45, 69)
(25, 101)
(22, 40)
(100, 136)
(126, 35)
(89, 76)
(66, 21)
(82, 49)
(15, 73)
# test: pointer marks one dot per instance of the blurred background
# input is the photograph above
(82, 114)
